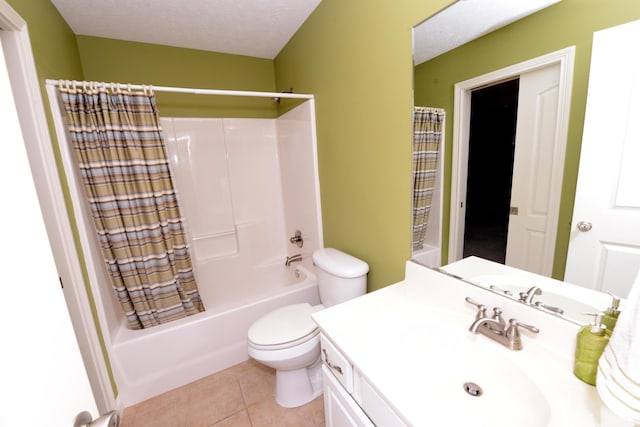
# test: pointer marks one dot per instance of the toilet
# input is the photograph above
(288, 340)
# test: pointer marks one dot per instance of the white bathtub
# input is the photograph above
(152, 361)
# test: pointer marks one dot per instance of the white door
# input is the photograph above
(542, 162)
(604, 248)
(532, 225)
(43, 381)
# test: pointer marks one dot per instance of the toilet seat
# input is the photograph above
(284, 328)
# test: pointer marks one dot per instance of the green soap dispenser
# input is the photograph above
(611, 314)
(590, 343)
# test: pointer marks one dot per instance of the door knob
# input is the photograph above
(584, 226)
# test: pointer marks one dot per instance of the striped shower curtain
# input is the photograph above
(427, 135)
(117, 140)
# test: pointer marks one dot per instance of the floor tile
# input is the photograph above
(166, 410)
(241, 419)
(268, 413)
(257, 382)
(214, 398)
(240, 396)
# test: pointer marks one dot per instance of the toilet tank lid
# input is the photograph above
(339, 264)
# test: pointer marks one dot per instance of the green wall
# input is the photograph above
(355, 57)
(570, 22)
(103, 59)
(52, 41)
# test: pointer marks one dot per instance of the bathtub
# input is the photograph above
(152, 361)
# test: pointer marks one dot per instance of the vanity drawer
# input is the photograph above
(336, 363)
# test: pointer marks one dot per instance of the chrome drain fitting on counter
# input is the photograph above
(473, 389)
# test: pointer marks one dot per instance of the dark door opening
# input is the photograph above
(492, 137)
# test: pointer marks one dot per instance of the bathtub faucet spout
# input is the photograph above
(292, 258)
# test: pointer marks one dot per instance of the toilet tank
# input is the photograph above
(341, 276)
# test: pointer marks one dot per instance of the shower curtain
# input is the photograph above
(427, 135)
(117, 140)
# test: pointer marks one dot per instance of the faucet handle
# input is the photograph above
(513, 334)
(482, 309)
(531, 328)
(500, 291)
(550, 308)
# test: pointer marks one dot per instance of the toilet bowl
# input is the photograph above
(288, 340)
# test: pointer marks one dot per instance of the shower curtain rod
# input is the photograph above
(195, 91)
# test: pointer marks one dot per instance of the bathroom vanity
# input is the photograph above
(404, 356)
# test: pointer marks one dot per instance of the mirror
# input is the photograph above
(561, 299)
(459, 23)
(564, 24)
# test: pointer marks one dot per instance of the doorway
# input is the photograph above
(492, 138)
(544, 93)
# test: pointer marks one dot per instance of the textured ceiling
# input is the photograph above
(259, 28)
(467, 20)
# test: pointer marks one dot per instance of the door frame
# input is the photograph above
(461, 131)
(33, 123)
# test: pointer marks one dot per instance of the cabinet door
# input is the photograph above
(340, 410)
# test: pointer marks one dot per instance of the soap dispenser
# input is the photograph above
(612, 313)
(590, 343)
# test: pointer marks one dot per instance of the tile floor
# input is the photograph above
(240, 396)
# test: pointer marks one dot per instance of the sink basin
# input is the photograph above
(508, 395)
(573, 309)
(453, 357)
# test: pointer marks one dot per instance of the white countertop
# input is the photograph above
(399, 338)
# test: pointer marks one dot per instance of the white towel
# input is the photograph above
(618, 380)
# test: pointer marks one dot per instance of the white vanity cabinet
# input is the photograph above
(348, 399)
(340, 409)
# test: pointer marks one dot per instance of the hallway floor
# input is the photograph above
(240, 396)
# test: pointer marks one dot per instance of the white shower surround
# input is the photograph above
(279, 157)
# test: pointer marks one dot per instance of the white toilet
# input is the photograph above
(288, 340)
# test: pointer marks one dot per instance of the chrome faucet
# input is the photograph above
(527, 297)
(293, 258)
(495, 327)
